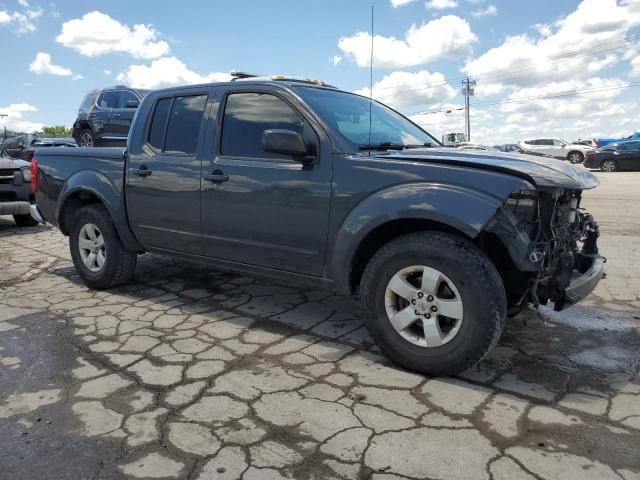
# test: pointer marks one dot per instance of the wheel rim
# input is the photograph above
(608, 166)
(424, 306)
(86, 140)
(574, 158)
(92, 248)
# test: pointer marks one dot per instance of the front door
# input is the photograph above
(122, 116)
(163, 175)
(261, 208)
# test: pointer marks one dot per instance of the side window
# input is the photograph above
(126, 96)
(247, 116)
(158, 123)
(86, 103)
(184, 124)
(108, 100)
(557, 143)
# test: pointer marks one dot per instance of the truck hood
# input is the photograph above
(541, 171)
(8, 163)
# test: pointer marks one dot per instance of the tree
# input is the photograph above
(54, 131)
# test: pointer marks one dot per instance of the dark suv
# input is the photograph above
(104, 117)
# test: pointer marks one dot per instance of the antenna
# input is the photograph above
(371, 81)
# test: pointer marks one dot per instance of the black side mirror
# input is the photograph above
(286, 142)
(133, 104)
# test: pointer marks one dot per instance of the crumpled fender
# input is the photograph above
(458, 207)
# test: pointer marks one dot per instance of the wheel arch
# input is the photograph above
(90, 187)
(397, 211)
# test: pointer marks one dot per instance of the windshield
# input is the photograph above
(349, 115)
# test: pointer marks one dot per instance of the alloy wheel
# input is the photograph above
(574, 158)
(609, 166)
(92, 248)
(86, 140)
(424, 306)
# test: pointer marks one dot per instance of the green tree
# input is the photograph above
(55, 131)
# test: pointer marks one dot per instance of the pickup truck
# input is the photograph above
(311, 185)
(15, 190)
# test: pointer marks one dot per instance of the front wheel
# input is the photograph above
(96, 250)
(609, 165)
(433, 302)
(87, 138)
(576, 157)
(25, 220)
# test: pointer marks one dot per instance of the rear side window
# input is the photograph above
(159, 123)
(108, 100)
(247, 116)
(87, 102)
(184, 124)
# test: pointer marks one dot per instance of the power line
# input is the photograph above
(529, 99)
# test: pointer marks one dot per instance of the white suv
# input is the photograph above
(556, 148)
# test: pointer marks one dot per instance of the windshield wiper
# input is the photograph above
(382, 146)
(424, 145)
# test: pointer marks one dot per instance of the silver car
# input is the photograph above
(556, 148)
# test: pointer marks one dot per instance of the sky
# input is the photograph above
(561, 68)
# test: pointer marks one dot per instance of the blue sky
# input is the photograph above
(56, 52)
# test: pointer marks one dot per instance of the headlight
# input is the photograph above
(26, 174)
(523, 205)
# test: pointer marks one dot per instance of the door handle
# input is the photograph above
(217, 176)
(143, 171)
(117, 115)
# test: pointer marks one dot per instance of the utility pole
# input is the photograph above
(468, 89)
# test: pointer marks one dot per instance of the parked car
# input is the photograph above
(556, 148)
(291, 179)
(15, 190)
(603, 142)
(105, 116)
(614, 157)
(24, 146)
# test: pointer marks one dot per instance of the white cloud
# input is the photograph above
(24, 3)
(593, 24)
(484, 12)
(77, 77)
(400, 3)
(42, 64)
(15, 120)
(336, 60)
(441, 4)
(446, 37)
(635, 67)
(21, 22)
(404, 89)
(98, 34)
(106, 72)
(166, 72)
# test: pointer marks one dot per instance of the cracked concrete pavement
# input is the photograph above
(193, 373)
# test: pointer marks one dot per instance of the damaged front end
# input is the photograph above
(552, 243)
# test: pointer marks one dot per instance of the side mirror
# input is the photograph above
(133, 104)
(286, 142)
(21, 146)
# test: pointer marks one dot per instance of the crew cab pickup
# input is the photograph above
(312, 185)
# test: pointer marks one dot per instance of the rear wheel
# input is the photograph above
(25, 220)
(97, 252)
(575, 157)
(433, 302)
(609, 165)
(87, 138)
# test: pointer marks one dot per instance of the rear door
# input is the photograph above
(101, 116)
(163, 173)
(261, 208)
(628, 156)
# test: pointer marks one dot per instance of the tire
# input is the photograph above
(25, 220)
(478, 289)
(575, 157)
(609, 165)
(87, 138)
(118, 264)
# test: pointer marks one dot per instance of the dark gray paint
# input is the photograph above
(285, 219)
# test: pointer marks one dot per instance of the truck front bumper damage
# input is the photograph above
(582, 285)
(35, 214)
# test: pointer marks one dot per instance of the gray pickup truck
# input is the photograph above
(311, 185)
(15, 190)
